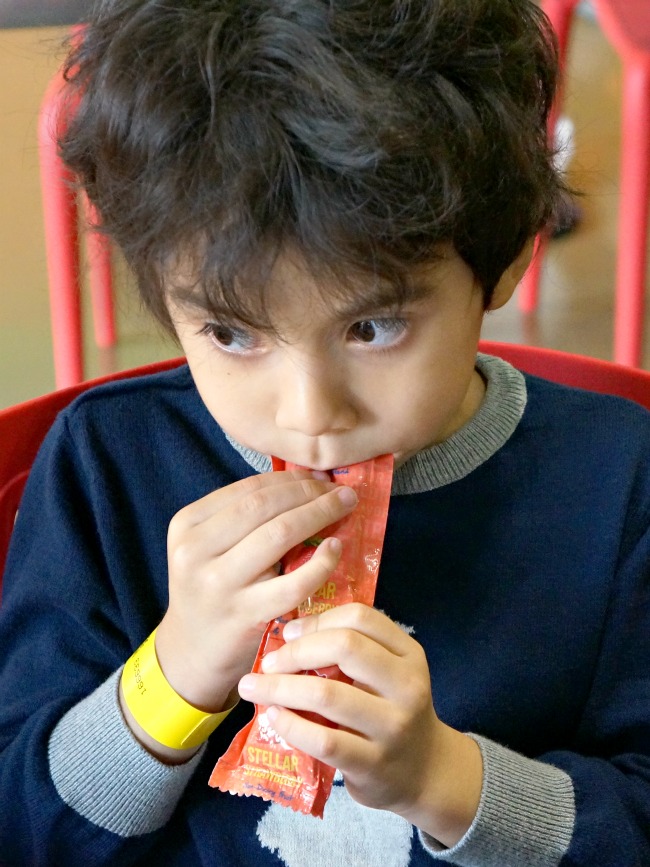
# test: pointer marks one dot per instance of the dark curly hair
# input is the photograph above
(362, 133)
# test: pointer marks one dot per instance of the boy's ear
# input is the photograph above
(511, 277)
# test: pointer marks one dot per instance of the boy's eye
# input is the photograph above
(378, 332)
(230, 338)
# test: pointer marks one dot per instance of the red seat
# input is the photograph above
(626, 24)
(63, 215)
(23, 427)
(579, 371)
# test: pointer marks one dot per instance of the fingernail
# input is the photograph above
(292, 630)
(347, 496)
(269, 661)
(333, 544)
(272, 713)
(320, 475)
(247, 683)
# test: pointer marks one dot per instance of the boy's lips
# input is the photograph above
(329, 460)
(324, 463)
(327, 466)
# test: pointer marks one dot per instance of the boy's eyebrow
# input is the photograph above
(200, 303)
(385, 298)
(379, 299)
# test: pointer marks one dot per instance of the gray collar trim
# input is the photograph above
(473, 444)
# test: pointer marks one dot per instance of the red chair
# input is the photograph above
(62, 212)
(23, 427)
(579, 371)
(626, 24)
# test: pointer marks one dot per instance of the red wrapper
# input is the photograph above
(258, 762)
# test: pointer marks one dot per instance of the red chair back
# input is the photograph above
(580, 371)
(22, 430)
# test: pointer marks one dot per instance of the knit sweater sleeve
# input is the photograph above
(526, 814)
(74, 785)
(590, 802)
(100, 770)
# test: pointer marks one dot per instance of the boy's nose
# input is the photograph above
(314, 402)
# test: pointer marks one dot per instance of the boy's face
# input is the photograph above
(343, 385)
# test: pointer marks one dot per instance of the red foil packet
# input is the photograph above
(258, 762)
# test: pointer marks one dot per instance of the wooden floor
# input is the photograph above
(575, 313)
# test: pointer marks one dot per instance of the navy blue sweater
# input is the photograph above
(520, 562)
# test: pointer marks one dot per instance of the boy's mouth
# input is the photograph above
(325, 466)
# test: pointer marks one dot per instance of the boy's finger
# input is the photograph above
(225, 527)
(283, 593)
(336, 747)
(363, 619)
(223, 498)
(338, 702)
(367, 663)
(270, 542)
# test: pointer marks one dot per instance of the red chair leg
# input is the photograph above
(560, 14)
(528, 290)
(100, 278)
(61, 216)
(633, 219)
(61, 242)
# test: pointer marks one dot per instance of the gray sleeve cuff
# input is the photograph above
(101, 771)
(526, 814)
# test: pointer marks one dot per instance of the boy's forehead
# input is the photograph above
(291, 285)
(344, 295)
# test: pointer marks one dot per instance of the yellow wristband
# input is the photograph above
(158, 708)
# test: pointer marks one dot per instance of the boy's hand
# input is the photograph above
(393, 751)
(224, 587)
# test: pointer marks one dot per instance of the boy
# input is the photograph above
(322, 199)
